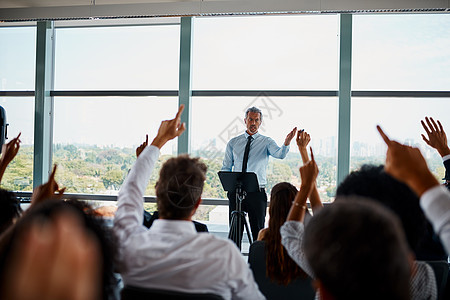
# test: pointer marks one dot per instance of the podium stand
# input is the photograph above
(242, 183)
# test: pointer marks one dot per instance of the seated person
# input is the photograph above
(149, 218)
(408, 165)
(374, 183)
(423, 282)
(57, 250)
(171, 255)
(277, 275)
(357, 250)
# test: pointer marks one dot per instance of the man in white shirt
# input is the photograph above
(171, 255)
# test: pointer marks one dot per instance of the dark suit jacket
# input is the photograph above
(149, 218)
(447, 169)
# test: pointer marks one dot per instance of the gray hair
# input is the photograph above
(253, 109)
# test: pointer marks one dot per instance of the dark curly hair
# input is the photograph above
(374, 183)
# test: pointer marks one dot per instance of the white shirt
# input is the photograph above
(436, 205)
(171, 255)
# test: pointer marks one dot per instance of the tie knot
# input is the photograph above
(250, 138)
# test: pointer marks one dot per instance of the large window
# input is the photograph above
(117, 58)
(216, 120)
(265, 53)
(95, 139)
(400, 118)
(401, 52)
(20, 117)
(17, 58)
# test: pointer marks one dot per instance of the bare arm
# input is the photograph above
(308, 174)
(303, 140)
(9, 151)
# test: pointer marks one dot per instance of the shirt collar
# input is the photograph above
(255, 136)
(179, 226)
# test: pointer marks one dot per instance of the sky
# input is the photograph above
(390, 52)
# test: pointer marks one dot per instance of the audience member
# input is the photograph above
(149, 218)
(57, 250)
(280, 267)
(171, 255)
(408, 165)
(437, 139)
(357, 250)
(374, 183)
(423, 284)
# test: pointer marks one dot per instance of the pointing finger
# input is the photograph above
(180, 111)
(384, 136)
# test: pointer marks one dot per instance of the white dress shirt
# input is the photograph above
(436, 205)
(260, 149)
(171, 255)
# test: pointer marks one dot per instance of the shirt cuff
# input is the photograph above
(436, 204)
(446, 157)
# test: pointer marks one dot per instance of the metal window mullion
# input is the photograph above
(43, 114)
(185, 91)
(345, 68)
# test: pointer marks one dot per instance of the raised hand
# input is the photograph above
(142, 146)
(169, 129)
(436, 136)
(290, 136)
(303, 140)
(407, 165)
(47, 190)
(9, 151)
(308, 174)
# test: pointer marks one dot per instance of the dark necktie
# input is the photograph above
(247, 150)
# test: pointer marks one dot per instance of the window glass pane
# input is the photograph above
(117, 58)
(17, 58)
(400, 119)
(266, 52)
(216, 120)
(95, 140)
(401, 52)
(20, 117)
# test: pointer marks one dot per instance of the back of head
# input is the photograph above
(374, 183)
(280, 267)
(357, 250)
(46, 212)
(179, 187)
(9, 209)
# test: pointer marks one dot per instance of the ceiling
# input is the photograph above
(19, 10)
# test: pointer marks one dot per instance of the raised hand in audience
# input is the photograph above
(436, 136)
(169, 129)
(308, 175)
(142, 146)
(57, 259)
(408, 165)
(303, 139)
(47, 191)
(9, 151)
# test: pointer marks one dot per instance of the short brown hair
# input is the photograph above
(179, 187)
